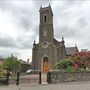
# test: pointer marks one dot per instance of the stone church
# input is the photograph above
(48, 51)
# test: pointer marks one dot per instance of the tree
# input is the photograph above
(77, 62)
(11, 63)
(81, 60)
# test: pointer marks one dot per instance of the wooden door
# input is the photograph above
(45, 65)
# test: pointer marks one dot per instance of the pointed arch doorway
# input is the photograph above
(45, 64)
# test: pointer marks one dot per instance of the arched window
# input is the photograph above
(45, 19)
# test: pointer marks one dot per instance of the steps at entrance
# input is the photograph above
(44, 78)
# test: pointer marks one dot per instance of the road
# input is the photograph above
(62, 86)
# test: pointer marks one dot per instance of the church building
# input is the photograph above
(48, 51)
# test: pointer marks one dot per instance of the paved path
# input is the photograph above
(63, 86)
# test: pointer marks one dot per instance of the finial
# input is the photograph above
(40, 6)
(75, 45)
(76, 48)
(49, 4)
(62, 38)
(34, 41)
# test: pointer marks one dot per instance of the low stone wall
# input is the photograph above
(58, 77)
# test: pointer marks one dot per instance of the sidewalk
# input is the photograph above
(61, 86)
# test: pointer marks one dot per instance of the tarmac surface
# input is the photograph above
(61, 86)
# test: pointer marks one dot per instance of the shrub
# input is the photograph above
(64, 64)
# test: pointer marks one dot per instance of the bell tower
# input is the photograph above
(48, 51)
(46, 25)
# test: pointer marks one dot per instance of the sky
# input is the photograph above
(19, 24)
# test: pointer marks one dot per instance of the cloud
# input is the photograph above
(5, 52)
(23, 18)
(72, 20)
(6, 5)
(7, 41)
(21, 12)
(19, 24)
(25, 41)
(38, 3)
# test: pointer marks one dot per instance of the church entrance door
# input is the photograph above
(45, 65)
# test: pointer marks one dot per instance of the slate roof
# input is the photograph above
(71, 50)
(23, 62)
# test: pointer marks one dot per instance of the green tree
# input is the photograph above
(11, 63)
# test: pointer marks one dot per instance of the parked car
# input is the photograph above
(30, 71)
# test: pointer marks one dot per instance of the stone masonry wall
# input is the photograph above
(58, 77)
